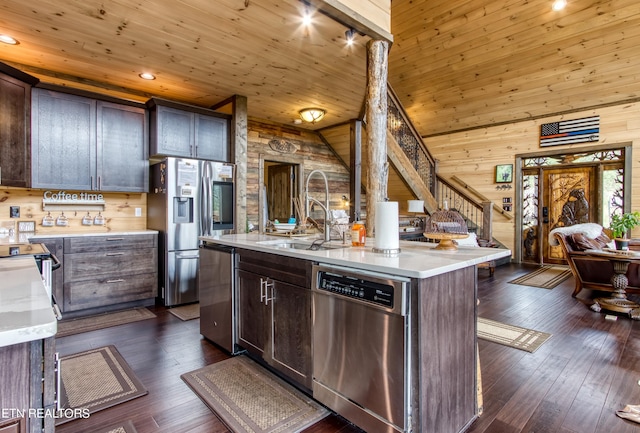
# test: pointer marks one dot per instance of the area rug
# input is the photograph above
(547, 277)
(186, 312)
(512, 336)
(95, 380)
(121, 427)
(106, 320)
(248, 398)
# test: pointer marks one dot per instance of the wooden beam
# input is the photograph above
(355, 169)
(409, 174)
(350, 19)
(239, 146)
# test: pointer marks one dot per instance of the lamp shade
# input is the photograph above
(416, 205)
(312, 115)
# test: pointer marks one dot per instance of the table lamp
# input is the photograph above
(416, 206)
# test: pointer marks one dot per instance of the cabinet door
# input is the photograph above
(63, 140)
(15, 143)
(253, 321)
(174, 134)
(292, 332)
(122, 148)
(212, 141)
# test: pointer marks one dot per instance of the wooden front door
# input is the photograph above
(569, 198)
(280, 192)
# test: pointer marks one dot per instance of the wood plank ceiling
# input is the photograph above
(455, 64)
(458, 64)
(201, 51)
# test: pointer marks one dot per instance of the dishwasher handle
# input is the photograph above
(218, 247)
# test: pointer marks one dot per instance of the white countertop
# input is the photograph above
(416, 259)
(25, 308)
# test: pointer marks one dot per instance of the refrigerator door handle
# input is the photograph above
(204, 199)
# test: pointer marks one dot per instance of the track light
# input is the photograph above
(350, 36)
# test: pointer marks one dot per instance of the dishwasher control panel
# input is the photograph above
(377, 292)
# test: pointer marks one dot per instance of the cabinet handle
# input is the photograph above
(57, 366)
(115, 254)
(91, 183)
(114, 239)
(265, 285)
(120, 280)
(99, 183)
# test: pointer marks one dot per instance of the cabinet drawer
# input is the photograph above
(109, 264)
(281, 268)
(82, 244)
(80, 295)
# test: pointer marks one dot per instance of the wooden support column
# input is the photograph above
(355, 170)
(376, 118)
(239, 143)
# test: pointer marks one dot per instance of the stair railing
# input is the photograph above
(409, 140)
(471, 211)
(477, 215)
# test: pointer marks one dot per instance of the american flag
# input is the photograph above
(570, 131)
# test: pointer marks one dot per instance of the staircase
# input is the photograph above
(413, 170)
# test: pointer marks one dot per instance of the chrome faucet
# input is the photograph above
(325, 207)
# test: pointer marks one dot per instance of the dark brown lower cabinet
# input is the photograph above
(28, 387)
(108, 272)
(274, 320)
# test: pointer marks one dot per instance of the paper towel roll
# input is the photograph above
(386, 229)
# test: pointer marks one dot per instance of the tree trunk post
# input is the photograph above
(376, 118)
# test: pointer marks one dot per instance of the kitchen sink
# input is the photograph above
(301, 245)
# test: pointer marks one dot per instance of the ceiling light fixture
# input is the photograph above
(8, 40)
(147, 76)
(306, 18)
(312, 115)
(558, 5)
(350, 36)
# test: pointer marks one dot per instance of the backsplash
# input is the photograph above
(119, 214)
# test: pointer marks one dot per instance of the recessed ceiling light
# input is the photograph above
(558, 5)
(147, 76)
(8, 40)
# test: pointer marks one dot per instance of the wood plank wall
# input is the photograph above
(119, 212)
(312, 152)
(473, 155)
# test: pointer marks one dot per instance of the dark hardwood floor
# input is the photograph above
(574, 383)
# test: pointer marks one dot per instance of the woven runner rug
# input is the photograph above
(100, 321)
(512, 336)
(248, 398)
(121, 427)
(547, 277)
(95, 380)
(186, 312)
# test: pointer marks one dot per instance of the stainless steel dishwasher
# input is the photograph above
(361, 347)
(217, 297)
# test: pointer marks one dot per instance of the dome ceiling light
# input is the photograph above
(312, 115)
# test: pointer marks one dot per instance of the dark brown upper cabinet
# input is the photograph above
(15, 128)
(188, 131)
(82, 143)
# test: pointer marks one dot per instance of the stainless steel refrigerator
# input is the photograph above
(188, 198)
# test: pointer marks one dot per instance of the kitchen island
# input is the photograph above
(27, 329)
(387, 341)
